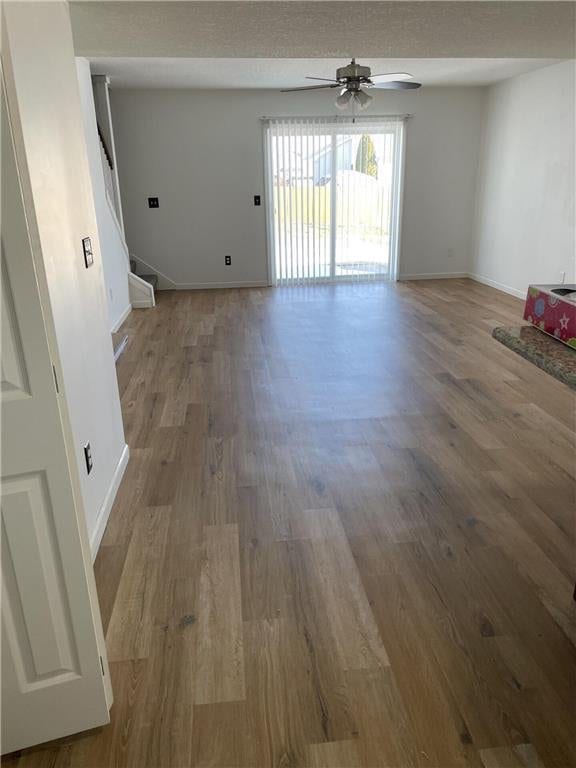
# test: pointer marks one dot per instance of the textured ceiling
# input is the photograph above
(279, 73)
(328, 29)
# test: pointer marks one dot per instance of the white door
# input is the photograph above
(54, 677)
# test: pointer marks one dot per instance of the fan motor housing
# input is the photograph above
(353, 71)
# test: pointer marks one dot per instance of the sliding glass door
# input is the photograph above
(334, 191)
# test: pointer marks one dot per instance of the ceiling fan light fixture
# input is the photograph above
(353, 78)
(362, 99)
(343, 99)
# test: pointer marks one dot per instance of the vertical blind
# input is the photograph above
(334, 196)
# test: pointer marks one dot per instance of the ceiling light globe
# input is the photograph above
(343, 100)
(362, 99)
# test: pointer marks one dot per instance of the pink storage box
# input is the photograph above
(552, 309)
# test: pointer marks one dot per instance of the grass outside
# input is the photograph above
(363, 211)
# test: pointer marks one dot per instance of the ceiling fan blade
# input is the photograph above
(396, 85)
(327, 79)
(393, 76)
(310, 88)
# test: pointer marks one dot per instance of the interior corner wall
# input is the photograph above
(52, 148)
(525, 216)
(201, 154)
(112, 247)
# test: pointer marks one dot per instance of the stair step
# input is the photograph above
(152, 279)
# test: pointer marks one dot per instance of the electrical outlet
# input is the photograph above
(257, 200)
(450, 253)
(228, 260)
(88, 458)
(153, 202)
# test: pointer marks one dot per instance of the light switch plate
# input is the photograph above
(88, 458)
(87, 250)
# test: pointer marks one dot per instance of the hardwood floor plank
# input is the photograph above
(488, 705)
(220, 645)
(221, 737)
(335, 754)
(265, 579)
(355, 633)
(528, 755)
(385, 732)
(128, 500)
(520, 756)
(439, 727)
(131, 626)
(166, 721)
(108, 572)
(285, 711)
(309, 613)
(500, 757)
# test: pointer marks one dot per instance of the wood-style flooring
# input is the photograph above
(345, 537)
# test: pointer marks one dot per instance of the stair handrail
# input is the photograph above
(105, 148)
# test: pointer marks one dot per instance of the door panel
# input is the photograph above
(53, 681)
(14, 383)
(299, 163)
(364, 192)
(334, 190)
(37, 611)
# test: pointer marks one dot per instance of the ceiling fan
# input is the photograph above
(352, 78)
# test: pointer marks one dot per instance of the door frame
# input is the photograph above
(396, 214)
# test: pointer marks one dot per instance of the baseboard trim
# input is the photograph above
(499, 286)
(162, 278)
(120, 348)
(106, 508)
(434, 276)
(121, 319)
(166, 283)
(265, 284)
(204, 286)
(471, 276)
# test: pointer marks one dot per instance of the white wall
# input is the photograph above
(201, 153)
(52, 146)
(112, 248)
(524, 230)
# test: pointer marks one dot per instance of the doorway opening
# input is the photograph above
(334, 198)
